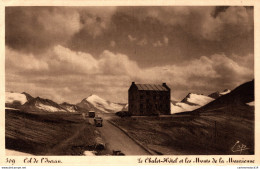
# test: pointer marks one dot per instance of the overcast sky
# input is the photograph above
(68, 53)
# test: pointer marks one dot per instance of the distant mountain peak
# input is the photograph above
(95, 102)
(196, 99)
(94, 96)
(28, 96)
(189, 103)
(26, 102)
(39, 104)
(217, 94)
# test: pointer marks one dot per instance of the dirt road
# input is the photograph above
(117, 140)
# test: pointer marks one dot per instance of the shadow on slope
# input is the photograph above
(50, 134)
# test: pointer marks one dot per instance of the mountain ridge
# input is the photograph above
(96, 103)
(217, 94)
(39, 104)
(191, 102)
(234, 103)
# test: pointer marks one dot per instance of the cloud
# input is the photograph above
(35, 28)
(142, 42)
(157, 44)
(165, 40)
(245, 61)
(203, 74)
(131, 38)
(80, 74)
(107, 63)
(117, 64)
(63, 60)
(67, 75)
(200, 21)
(61, 52)
(16, 61)
(71, 62)
(96, 20)
(238, 16)
(234, 20)
(112, 43)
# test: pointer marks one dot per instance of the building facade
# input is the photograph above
(149, 99)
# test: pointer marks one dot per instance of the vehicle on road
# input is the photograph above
(98, 121)
(91, 114)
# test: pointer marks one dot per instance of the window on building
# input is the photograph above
(131, 97)
(141, 108)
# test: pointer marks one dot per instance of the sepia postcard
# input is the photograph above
(129, 83)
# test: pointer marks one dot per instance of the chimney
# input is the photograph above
(164, 85)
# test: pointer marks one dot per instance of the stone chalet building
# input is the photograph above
(149, 99)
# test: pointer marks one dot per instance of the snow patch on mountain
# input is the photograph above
(71, 109)
(103, 104)
(226, 91)
(191, 102)
(40, 105)
(200, 100)
(182, 107)
(196, 99)
(49, 108)
(11, 97)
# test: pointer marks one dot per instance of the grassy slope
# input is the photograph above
(191, 135)
(51, 134)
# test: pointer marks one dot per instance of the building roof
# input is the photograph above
(154, 87)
